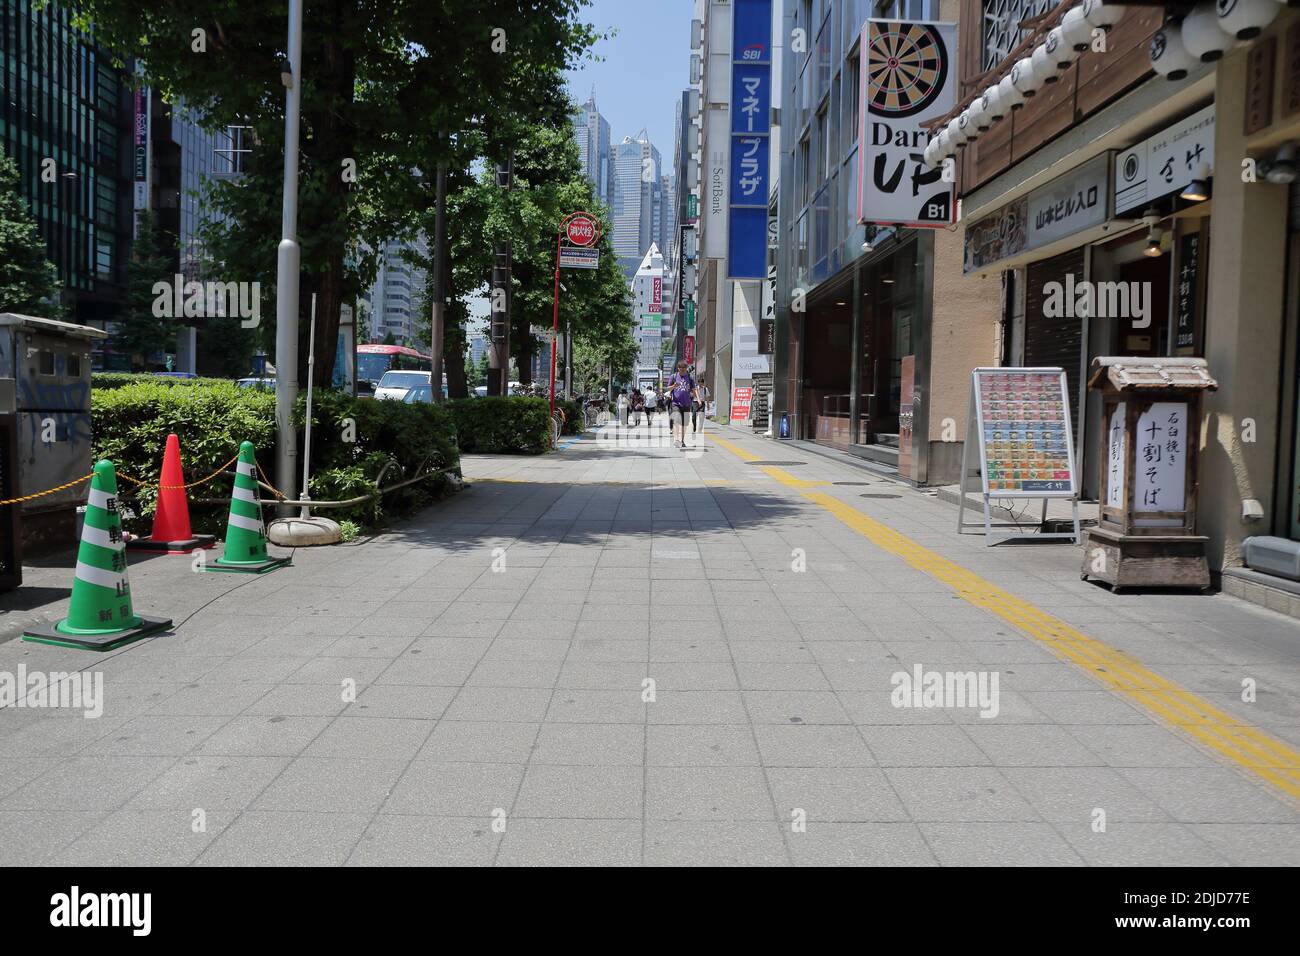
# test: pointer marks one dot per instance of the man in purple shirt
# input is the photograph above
(682, 395)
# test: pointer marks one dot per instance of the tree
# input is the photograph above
(29, 283)
(548, 185)
(379, 82)
(143, 330)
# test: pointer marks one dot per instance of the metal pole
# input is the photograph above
(555, 322)
(287, 273)
(568, 358)
(439, 278)
(311, 376)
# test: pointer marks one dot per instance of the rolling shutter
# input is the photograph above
(1055, 341)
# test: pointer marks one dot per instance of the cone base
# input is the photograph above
(247, 567)
(152, 546)
(107, 641)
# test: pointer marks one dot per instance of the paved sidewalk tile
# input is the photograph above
(621, 654)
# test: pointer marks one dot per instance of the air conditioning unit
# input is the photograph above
(1271, 555)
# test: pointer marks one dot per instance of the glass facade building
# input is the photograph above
(61, 99)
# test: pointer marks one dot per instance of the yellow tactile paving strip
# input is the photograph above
(1228, 737)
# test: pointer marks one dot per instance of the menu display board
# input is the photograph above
(1024, 432)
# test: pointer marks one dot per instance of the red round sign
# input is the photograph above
(581, 230)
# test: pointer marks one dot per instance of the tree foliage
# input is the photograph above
(380, 82)
(29, 283)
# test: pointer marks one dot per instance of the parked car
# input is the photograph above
(480, 391)
(176, 374)
(266, 384)
(395, 385)
(419, 393)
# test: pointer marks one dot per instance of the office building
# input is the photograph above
(65, 119)
(389, 306)
(591, 131)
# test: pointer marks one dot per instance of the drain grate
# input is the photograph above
(783, 464)
(878, 494)
(853, 484)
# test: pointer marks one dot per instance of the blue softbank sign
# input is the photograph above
(751, 111)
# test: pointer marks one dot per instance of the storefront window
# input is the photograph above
(889, 304)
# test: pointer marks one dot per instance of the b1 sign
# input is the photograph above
(909, 77)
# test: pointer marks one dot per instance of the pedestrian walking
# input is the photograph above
(700, 410)
(651, 403)
(681, 395)
(638, 406)
(622, 409)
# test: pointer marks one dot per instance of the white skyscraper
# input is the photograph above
(391, 302)
(591, 131)
(648, 294)
(638, 198)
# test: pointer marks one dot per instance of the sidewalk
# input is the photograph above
(624, 653)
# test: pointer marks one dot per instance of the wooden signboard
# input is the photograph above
(1019, 422)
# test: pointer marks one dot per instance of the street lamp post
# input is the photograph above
(288, 257)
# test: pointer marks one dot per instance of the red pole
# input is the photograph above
(555, 321)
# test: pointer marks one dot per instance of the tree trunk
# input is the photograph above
(453, 338)
(331, 140)
(524, 357)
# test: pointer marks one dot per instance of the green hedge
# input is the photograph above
(514, 425)
(352, 440)
(110, 380)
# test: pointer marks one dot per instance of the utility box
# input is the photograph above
(48, 363)
(11, 550)
(1146, 535)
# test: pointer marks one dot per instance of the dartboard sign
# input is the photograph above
(907, 66)
(908, 79)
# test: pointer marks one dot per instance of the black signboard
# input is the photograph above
(1189, 267)
(11, 566)
(766, 336)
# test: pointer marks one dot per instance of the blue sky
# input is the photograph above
(646, 67)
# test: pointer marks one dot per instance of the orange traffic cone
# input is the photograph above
(171, 520)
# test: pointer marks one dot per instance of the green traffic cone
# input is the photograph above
(245, 533)
(101, 615)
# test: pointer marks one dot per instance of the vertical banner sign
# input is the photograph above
(1189, 265)
(657, 294)
(908, 78)
(140, 170)
(751, 110)
(688, 350)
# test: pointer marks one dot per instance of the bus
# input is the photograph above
(374, 360)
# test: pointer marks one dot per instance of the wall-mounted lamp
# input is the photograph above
(1280, 170)
(1198, 190)
(1152, 251)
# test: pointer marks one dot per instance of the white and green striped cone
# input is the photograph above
(245, 549)
(100, 616)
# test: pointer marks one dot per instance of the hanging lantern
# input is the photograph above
(931, 155)
(979, 114)
(1169, 57)
(1244, 19)
(1059, 50)
(1025, 78)
(1099, 13)
(966, 123)
(1202, 36)
(957, 133)
(1076, 30)
(1012, 98)
(1044, 64)
(993, 107)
